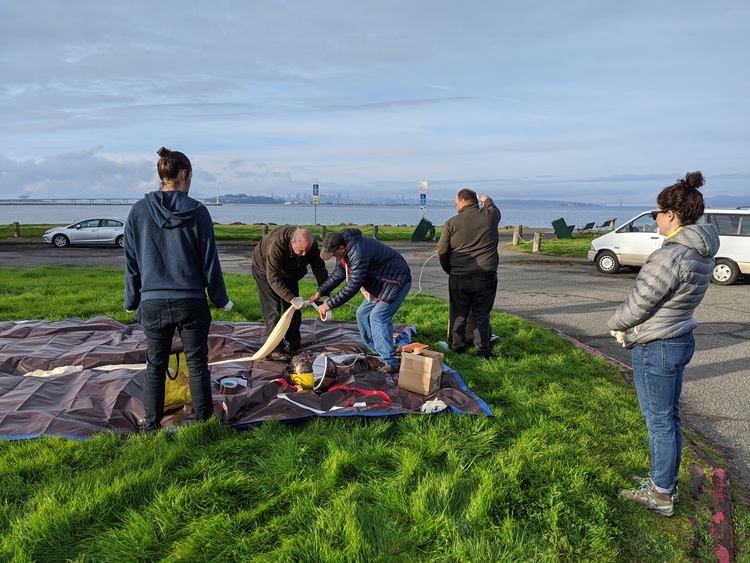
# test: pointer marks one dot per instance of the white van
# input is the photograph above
(631, 243)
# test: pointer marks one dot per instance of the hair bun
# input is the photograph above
(694, 180)
(165, 151)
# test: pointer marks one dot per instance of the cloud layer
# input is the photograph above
(579, 100)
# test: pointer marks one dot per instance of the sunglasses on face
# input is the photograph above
(655, 214)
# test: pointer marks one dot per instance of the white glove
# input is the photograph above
(228, 307)
(298, 303)
(435, 405)
(619, 336)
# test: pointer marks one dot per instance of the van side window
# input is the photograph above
(730, 224)
(644, 224)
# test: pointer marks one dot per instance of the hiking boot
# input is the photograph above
(636, 479)
(648, 497)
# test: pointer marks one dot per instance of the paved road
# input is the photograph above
(570, 296)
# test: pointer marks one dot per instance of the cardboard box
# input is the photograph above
(421, 371)
(413, 346)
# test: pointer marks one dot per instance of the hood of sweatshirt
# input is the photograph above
(171, 209)
(704, 239)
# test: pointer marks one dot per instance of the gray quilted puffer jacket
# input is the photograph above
(669, 287)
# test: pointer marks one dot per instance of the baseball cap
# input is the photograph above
(331, 243)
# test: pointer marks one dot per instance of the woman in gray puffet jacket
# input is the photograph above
(656, 322)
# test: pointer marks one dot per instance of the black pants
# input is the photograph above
(473, 293)
(272, 306)
(192, 320)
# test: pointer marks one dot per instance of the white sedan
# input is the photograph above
(107, 231)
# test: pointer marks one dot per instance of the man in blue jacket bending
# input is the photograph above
(381, 274)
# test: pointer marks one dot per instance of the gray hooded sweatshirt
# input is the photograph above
(669, 287)
(170, 251)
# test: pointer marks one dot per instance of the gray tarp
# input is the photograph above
(90, 401)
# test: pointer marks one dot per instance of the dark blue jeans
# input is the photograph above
(658, 368)
(192, 320)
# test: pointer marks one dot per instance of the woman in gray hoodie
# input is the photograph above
(656, 322)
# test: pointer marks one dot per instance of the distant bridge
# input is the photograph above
(82, 201)
(72, 201)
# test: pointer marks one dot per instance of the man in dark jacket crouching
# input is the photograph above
(280, 261)
(381, 274)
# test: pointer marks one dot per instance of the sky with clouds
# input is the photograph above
(582, 100)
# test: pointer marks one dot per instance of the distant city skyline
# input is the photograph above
(342, 199)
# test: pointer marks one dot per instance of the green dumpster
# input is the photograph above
(562, 230)
(421, 231)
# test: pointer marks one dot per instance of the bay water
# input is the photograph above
(306, 214)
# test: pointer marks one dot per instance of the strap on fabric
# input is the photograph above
(176, 372)
(366, 393)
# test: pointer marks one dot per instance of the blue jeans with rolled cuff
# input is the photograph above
(192, 320)
(375, 322)
(658, 369)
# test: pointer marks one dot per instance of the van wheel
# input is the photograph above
(607, 262)
(725, 272)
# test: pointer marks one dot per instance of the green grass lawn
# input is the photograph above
(536, 482)
(576, 247)
(243, 232)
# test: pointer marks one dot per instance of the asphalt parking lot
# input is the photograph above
(567, 295)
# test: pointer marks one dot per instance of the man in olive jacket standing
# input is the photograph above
(280, 260)
(468, 254)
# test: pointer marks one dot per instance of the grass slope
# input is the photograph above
(536, 482)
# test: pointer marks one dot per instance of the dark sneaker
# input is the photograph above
(648, 497)
(152, 427)
(278, 356)
(485, 355)
(458, 350)
(294, 351)
(636, 479)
